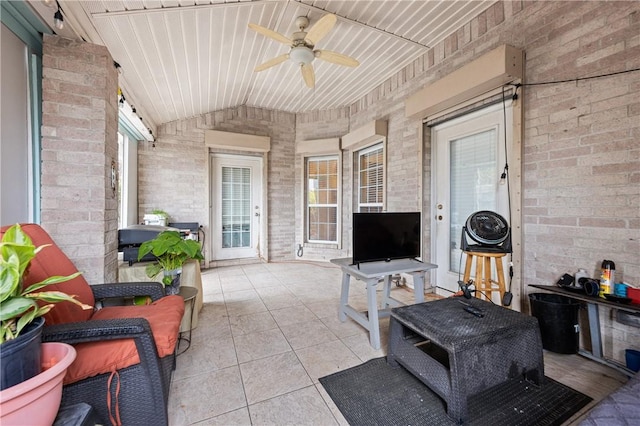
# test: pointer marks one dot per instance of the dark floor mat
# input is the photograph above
(375, 394)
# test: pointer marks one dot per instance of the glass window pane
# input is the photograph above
(371, 174)
(236, 207)
(322, 198)
(474, 176)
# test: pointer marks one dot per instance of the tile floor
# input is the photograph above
(267, 332)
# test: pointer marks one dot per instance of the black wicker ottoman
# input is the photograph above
(457, 354)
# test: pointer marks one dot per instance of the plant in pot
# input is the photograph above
(21, 322)
(171, 252)
(158, 217)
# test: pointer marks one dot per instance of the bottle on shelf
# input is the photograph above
(607, 277)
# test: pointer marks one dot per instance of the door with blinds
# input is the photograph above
(236, 206)
(469, 158)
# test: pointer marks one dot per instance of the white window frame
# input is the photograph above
(380, 145)
(307, 221)
(127, 179)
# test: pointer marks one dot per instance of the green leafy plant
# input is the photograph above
(171, 251)
(161, 213)
(18, 306)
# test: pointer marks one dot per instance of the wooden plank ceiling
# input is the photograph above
(183, 58)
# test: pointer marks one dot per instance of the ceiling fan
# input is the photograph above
(302, 43)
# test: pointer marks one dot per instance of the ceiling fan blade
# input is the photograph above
(271, 34)
(272, 62)
(308, 75)
(320, 29)
(336, 58)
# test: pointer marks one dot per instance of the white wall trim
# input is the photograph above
(236, 141)
(371, 132)
(502, 65)
(318, 146)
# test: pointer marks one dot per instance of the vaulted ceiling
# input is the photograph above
(183, 58)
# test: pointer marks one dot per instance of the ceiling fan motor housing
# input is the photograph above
(489, 230)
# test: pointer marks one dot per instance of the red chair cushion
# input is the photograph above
(52, 261)
(95, 358)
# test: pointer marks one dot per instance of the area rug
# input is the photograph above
(375, 394)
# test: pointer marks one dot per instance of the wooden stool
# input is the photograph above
(484, 285)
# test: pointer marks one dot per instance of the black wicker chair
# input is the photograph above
(134, 394)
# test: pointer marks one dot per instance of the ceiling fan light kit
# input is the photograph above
(301, 55)
(302, 44)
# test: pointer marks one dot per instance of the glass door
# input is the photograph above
(236, 210)
(469, 159)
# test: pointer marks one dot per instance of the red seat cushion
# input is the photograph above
(52, 261)
(95, 358)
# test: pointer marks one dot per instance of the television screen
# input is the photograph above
(385, 236)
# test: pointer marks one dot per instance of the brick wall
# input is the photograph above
(581, 179)
(173, 174)
(79, 143)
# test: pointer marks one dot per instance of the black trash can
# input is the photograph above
(558, 318)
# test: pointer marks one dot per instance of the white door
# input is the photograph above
(236, 209)
(468, 161)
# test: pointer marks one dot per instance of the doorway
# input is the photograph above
(468, 160)
(236, 206)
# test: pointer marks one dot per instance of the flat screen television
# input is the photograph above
(385, 236)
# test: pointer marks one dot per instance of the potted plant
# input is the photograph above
(171, 251)
(21, 319)
(156, 217)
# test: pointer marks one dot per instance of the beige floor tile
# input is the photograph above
(324, 308)
(251, 323)
(211, 326)
(302, 335)
(301, 407)
(255, 268)
(293, 315)
(327, 358)
(213, 297)
(278, 297)
(205, 355)
(361, 346)
(240, 350)
(243, 302)
(206, 395)
(342, 329)
(263, 279)
(229, 271)
(313, 293)
(234, 418)
(273, 376)
(261, 344)
(235, 283)
(332, 406)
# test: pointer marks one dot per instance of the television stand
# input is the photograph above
(370, 273)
